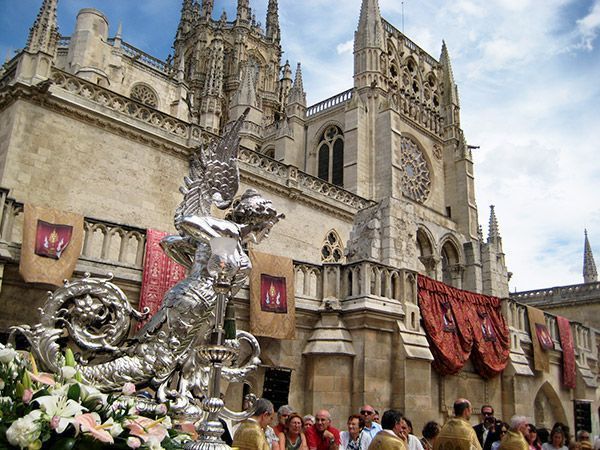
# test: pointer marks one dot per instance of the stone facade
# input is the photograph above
(377, 184)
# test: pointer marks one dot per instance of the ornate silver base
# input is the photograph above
(210, 437)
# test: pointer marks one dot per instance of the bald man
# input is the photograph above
(322, 436)
(457, 433)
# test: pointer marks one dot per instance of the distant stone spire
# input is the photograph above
(589, 265)
(273, 31)
(493, 230)
(43, 35)
(207, 8)
(297, 94)
(451, 93)
(243, 11)
(370, 31)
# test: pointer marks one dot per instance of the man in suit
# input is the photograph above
(486, 433)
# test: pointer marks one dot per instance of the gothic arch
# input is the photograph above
(451, 260)
(145, 94)
(412, 79)
(257, 59)
(329, 151)
(426, 251)
(332, 249)
(547, 407)
(269, 151)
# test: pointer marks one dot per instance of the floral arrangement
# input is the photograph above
(40, 410)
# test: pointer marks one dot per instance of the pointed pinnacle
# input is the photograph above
(590, 275)
(493, 230)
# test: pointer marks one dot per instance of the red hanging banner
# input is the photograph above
(462, 324)
(568, 351)
(161, 273)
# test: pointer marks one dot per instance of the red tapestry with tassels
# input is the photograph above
(461, 324)
(161, 273)
(569, 373)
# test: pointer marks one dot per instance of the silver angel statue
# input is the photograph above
(163, 354)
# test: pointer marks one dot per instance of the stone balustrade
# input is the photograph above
(518, 321)
(127, 106)
(329, 103)
(102, 241)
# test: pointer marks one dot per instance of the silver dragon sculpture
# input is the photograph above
(164, 353)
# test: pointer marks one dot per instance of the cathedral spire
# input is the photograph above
(43, 35)
(207, 8)
(452, 91)
(493, 230)
(243, 11)
(589, 265)
(273, 31)
(297, 94)
(369, 47)
(370, 28)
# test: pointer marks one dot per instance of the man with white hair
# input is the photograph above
(516, 438)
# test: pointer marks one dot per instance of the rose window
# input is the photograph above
(415, 182)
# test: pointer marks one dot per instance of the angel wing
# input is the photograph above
(213, 177)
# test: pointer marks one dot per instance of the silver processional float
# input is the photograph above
(184, 351)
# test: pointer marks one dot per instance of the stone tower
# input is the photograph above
(230, 66)
(590, 275)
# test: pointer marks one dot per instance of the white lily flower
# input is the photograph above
(62, 407)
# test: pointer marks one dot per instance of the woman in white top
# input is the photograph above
(354, 438)
(557, 440)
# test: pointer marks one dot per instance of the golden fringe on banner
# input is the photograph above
(272, 303)
(42, 269)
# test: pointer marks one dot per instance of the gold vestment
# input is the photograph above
(513, 441)
(457, 434)
(250, 436)
(387, 441)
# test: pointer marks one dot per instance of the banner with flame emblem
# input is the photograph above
(51, 245)
(272, 304)
(51, 239)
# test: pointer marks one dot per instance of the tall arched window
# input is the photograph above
(331, 156)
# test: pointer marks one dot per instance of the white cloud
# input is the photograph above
(345, 47)
(589, 26)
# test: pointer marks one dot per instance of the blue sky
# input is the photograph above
(528, 75)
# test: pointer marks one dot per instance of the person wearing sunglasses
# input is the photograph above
(371, 427)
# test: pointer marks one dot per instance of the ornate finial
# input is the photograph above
(493, 230)
(273, 31)
(243, 11)
(452, 92)
(590, 275)
(370, 31)
(207, 8)
(43, 35)
(297, 94)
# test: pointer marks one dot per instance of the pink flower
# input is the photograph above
(189, 428)
(133, 442)
(54, 422)
(128, 388)
(44, 378)
(27, 396)
(88, 424)
(147, 429)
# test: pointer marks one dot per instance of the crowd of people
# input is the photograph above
(367, 430)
